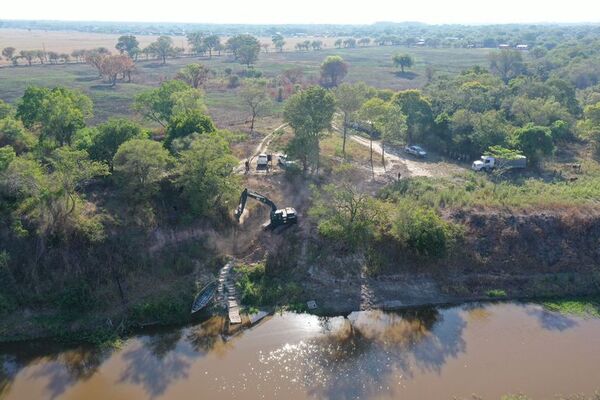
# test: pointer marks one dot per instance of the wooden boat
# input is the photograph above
(204, 297)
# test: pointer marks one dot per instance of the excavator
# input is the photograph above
(279, 217)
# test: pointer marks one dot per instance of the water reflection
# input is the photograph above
(363, 355)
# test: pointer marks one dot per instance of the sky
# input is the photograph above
(307, 11)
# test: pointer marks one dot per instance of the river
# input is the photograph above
(444, 353)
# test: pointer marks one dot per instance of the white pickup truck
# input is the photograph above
(488, 163)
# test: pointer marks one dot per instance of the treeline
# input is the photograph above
(68, 190)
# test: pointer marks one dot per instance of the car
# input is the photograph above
(284, 163)
(415, 151)
(262, 162)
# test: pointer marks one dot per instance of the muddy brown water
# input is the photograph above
(488, 350)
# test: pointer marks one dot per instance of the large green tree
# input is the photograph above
(185, 123)
(245, 48)
(58, 113)
(507, 64)
(139, 166)
(403, 61)
(417, 109)
(348, 99)
(333, 70)
(193, 74)
(205, 172)
(309, 113)
(129, 45)
(163, 48)
(534, 141)
(112, 134)
(157, 104)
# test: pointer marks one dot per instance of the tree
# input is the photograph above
(139, 166)
(403, 61)
(417, 109)
(111, 66)
(205, 172)
(196, 42)
(338, 43)
(7, 155)
(278, 42)
(245, 49)
(316, 45)
(309, 113)
(372, 111)
(6, 109)
(534, 141)
(184, 124)
(349, 98)
(58, 112)
(28, 55)
(14, 134)
(507, 64)
(211, 43)
(589, 127)
(128, 44)
(539, 111)
(350, 43)
(193, 74)
(255, 97)
(333, 71)
(157, 104)
(8, 53)
(364, 42)
(112, 134)
(163, 48)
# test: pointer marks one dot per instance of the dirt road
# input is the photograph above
(260, 148)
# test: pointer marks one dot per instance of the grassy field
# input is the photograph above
(372, 65)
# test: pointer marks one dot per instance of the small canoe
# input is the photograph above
(204, 297)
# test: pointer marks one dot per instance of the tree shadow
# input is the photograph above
(154, 65)
(406, 75)
(552, 321)
(89, 78)
(106, 87)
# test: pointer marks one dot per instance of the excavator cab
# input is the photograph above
(278, 217)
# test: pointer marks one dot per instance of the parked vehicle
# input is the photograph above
(488, 163)
(415, 151)
(284, 162)
(262, 162)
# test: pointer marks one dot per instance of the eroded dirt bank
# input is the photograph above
(504, 254)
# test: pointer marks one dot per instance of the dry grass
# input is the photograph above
(67, 41)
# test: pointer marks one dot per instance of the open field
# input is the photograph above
(67, 41)
(372, 65)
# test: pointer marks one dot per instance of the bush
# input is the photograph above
(75, 298)
(423, 231)
(234, 81)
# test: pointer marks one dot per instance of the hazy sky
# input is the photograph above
(307, 11)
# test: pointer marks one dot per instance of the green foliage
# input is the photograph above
(534, 141)
(333, 70)
(128, 44)
(193, 74)
(496, 293)
(157, 104)
(502, 152)
(344, 213)
(205, 172)
(163, 48)
(256, 98)
(585, 307)
(422, 230)
(110, 135)
(75, 298)
(245, 48)
(185, 123)
(139, 165)
(6, 110)
(309, 113)
(7, 155)
(13, 133)
(417, 109)
(58, 113)
(403, 61)
(507, 64)
(258, 289)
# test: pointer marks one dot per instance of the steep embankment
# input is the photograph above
(504, 254)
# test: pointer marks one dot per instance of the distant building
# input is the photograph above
(522, 47)
(504, 46)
